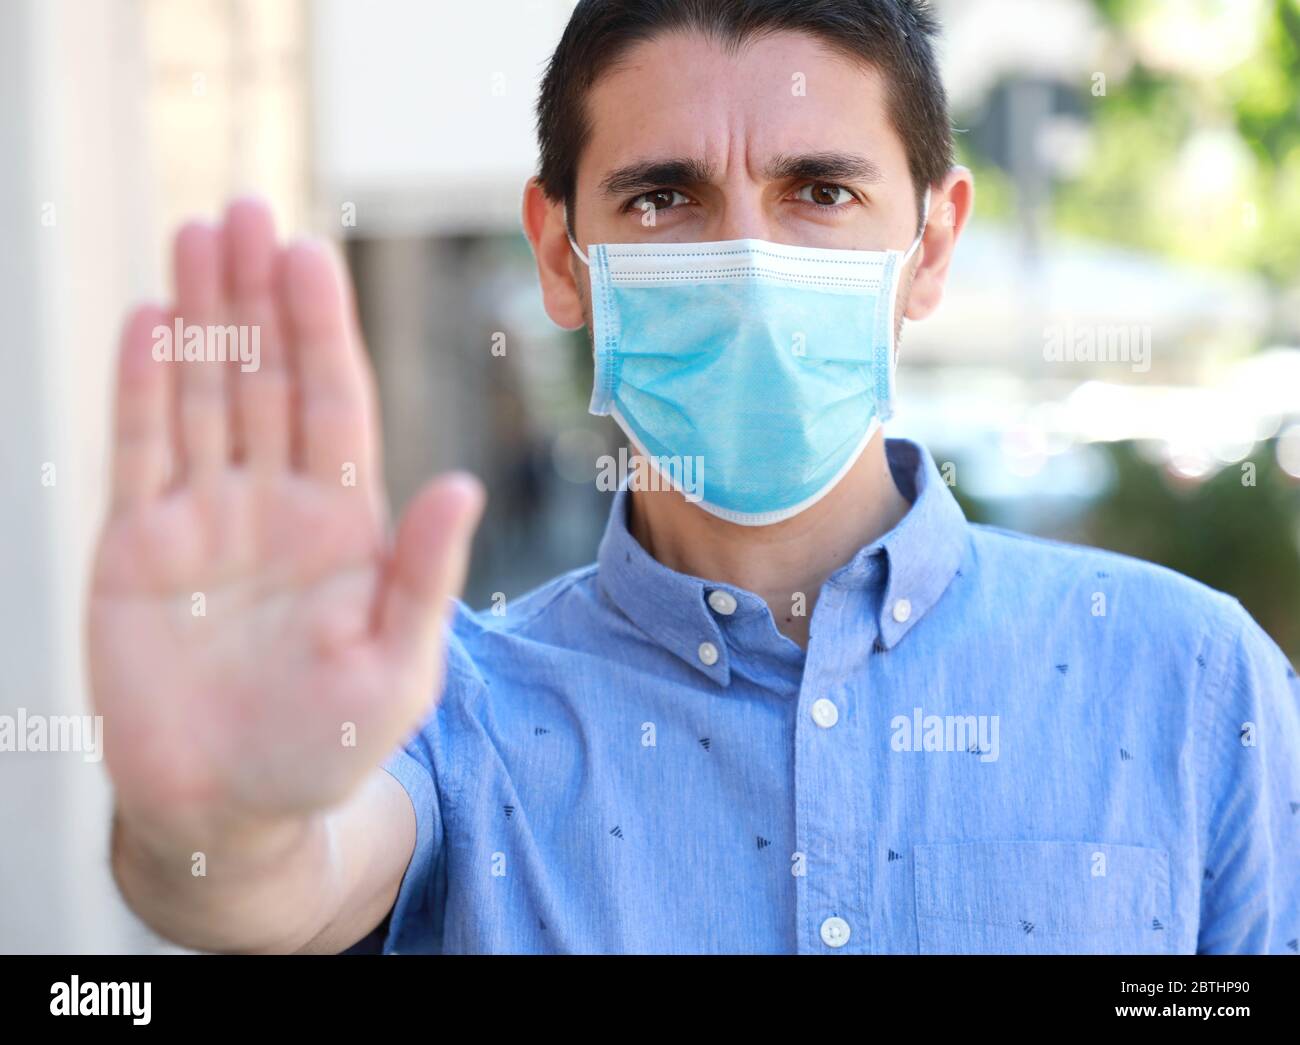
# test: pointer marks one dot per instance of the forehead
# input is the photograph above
(683, 94)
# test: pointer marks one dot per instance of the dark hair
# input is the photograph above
(894, 36)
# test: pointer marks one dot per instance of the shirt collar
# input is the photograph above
(922, 552)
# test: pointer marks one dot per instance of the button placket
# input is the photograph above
(828, 767)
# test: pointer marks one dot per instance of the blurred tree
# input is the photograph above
(1236, 538)
(1195, 144)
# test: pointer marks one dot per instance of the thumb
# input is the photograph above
(428, 564)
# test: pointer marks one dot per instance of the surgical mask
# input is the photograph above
(751, 374)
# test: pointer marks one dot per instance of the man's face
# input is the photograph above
(786, 141)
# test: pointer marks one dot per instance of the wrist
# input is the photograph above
(243, 845)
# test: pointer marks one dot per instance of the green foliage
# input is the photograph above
(1145, 184)
(994, 192)
(1236, 538)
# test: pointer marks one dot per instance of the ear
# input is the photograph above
(950, 205)
(544, 226)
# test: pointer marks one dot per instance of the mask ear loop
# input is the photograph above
(925, 221)
(578, 250)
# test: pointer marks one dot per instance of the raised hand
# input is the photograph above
(257, 641)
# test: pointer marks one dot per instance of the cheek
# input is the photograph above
(904, 298)
(582, 282)
(584, 297)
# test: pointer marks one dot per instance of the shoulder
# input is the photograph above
(1043, 571)
(540, 616)
(524, 614)
(1157, 615)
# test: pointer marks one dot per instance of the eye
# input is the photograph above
(824, 194)
(659, 199)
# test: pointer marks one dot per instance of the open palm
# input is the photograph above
(257, 640)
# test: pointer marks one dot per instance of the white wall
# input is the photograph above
(424, 112)
(73, 142)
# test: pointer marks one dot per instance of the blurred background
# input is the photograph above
(1117, 361)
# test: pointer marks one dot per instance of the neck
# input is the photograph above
(785, 564)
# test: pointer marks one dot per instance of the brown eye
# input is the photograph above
(824, 194)
(660, 199)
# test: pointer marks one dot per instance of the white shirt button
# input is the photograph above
(722, 602)
(902, 610)
(708, 653)
(835, 932)
(825, 713)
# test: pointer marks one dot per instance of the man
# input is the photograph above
(803, 706)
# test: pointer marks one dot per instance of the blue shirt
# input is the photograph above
(994, 743)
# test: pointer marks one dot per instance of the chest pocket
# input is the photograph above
(1041, 898)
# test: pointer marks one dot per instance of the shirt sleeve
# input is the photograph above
(414, 925)
(1248, 767)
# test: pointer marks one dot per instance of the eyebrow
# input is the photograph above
(828, 166)
(643, 175)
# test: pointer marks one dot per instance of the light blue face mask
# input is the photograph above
(751, 374)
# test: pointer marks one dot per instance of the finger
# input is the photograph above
(142, 441)
(428, 565)
(258, 386)
(334, 422)
(361, 360)
(203, 423)
(362, 357)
